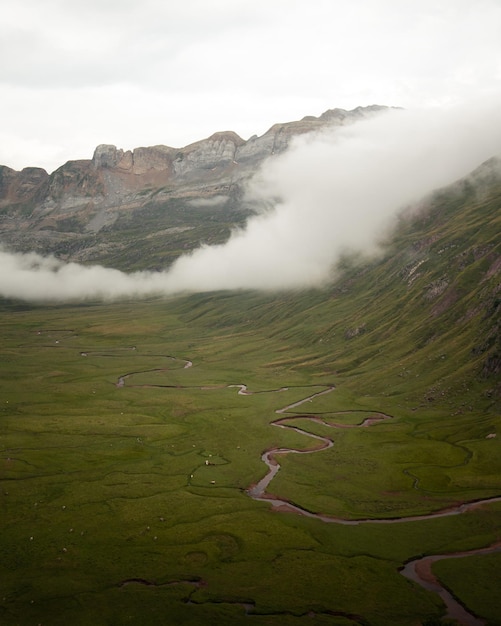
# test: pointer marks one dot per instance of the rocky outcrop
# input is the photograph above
(138, 161)
(143, 160)
(20, 186)
(218, 151)
(75, 178)
(113, 174)
(279, 136)
(221, 151)
(61, 213)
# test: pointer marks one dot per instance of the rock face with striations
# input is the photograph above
(62, 212)
(18, 186)
(224, 156)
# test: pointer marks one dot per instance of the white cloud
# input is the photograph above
(338, 191)
(209, 202)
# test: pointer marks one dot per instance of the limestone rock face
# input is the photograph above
(155, 158)
(256, 149)
(123, 186)
(30, 178)
(126, 161)
(75, 178)
(279, 137)
(7, 177)
(106, 155)
(20, 186)
(217, 151)
(138, 161)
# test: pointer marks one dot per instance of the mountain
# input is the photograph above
(143, 208)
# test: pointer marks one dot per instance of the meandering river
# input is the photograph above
(418, 569)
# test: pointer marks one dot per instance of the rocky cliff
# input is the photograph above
(224, 155)
(68, 211)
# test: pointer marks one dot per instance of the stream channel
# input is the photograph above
(418, 570)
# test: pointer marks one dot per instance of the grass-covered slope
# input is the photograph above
(420, 321)
(124, 470)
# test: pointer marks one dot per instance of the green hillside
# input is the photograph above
(420, 322)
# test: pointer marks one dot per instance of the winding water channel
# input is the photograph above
(417, 570)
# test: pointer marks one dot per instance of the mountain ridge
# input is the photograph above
(63, 213)
(307, 124)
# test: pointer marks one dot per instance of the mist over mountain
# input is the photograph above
(100, 209)
(276, 212)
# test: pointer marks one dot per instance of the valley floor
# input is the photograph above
(134, 490)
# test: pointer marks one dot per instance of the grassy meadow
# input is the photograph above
(126, 503)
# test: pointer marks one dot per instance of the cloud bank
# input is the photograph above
(331, 193)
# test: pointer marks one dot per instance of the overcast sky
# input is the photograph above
(77, 73)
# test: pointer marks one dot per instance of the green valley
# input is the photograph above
(128, 446)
